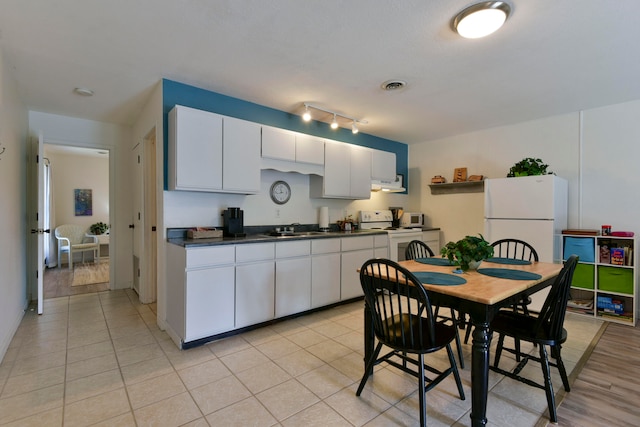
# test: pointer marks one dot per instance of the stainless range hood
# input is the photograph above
(390, 186)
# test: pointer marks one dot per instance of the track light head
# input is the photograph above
(307, 114)
(334, 122)
(354, 128)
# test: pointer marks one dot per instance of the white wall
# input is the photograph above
(73, 171)
(595, 150)
(117, 139)
(13, 212)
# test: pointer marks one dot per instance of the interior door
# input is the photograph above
(38, 224)
(137, 220)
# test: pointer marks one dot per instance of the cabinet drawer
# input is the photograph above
(293, 249)
(614, 279)
(325, 246)
(583, 276)
(255, 252)
(356, 243)
(211, 255)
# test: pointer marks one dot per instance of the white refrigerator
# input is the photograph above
(530, 208)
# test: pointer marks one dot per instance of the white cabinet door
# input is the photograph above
(325, 279)
(210, 295)
(350, 262)
(278, 144)
(360, 172)
(309, 149)
(432, 239)
(337, 170)
(255, 291)
(241, 154)
(293, 286)
(195, 150)
(383, 165)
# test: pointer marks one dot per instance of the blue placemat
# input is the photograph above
(511, 261)
(434, 261)
(433, 278)
(505, 273)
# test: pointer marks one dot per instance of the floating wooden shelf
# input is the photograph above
(457, 187)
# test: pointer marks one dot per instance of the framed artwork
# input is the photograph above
(83, 202)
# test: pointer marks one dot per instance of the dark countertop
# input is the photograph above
(262, 238)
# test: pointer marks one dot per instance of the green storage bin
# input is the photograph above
(615, 279)
(583, 276)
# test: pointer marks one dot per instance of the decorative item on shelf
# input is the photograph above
(468, 252)
(475, 178)
(438, 179)
(460, 175)
(606, 230)
(527, 167)
(98, 228)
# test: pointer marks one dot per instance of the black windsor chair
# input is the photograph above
(543, 330)
(402, 319)
(419, 249)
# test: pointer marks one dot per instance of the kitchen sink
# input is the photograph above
(296, 233)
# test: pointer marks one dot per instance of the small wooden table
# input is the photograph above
(481, 297)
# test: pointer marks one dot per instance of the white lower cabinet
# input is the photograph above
(216, 289)
(209, 302)
(200, 294)
(293, 277)
(255, 283)
(325, 272)
(355, 251)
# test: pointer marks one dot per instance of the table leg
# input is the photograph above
(480, 373)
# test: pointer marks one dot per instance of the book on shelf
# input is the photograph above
(617, 256)
(584, 304)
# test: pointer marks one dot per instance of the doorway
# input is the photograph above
(76, 192)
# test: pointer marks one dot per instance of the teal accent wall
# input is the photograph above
(175, 93)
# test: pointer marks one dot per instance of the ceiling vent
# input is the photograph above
(390, 85)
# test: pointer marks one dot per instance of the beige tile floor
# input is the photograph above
(99, 359)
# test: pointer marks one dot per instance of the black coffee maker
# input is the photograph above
(233, 222)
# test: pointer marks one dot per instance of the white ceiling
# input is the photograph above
(551, 57)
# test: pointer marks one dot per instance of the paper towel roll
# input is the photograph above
(323, 221)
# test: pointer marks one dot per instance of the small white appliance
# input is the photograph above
(412, 220)
(399, 238)
(531, 208)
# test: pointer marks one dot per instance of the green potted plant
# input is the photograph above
(467, 252)
(528, 166)
(98, 228)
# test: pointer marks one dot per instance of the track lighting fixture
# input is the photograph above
(334, 122)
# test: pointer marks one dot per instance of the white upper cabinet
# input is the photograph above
(383, 165)
(347, 172)
(309, 149)
(281, 144)
(195, 150)
(241, 154)
(278, 144)
(214, 153)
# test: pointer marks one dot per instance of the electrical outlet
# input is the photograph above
(277, 213)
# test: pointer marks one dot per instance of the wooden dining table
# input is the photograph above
(480, 298)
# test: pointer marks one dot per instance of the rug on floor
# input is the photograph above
(87, 274)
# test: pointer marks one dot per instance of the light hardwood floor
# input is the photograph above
(57, 283)
(607, 389)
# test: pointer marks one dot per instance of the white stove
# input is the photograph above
(399, 237)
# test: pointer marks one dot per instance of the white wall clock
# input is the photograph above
(280, 192)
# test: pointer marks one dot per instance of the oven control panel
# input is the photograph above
(376, 216)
